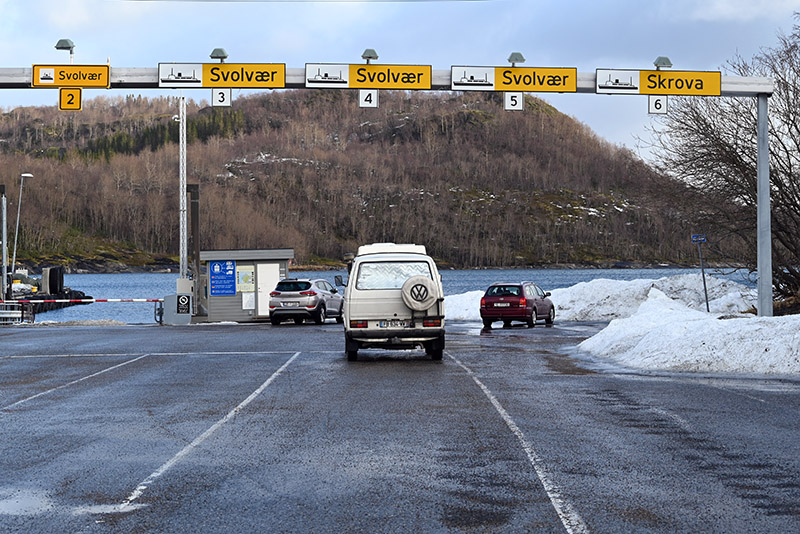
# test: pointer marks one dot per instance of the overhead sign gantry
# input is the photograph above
(369, 78)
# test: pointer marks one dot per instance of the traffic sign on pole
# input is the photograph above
(69, 99)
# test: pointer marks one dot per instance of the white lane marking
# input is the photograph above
(572, 521)
(118, 354)
(127, 504)
(73, 382)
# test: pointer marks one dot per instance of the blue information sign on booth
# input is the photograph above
(222, 277)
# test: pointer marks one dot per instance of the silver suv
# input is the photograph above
(393, 299)
(301, 299)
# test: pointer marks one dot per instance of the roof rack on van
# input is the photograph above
(391, 248)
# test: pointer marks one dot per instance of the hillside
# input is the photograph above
(310, 170)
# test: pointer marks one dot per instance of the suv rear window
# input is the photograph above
(292, 285)
(504, 291)
(389, 275)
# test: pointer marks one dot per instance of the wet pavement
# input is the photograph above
(242, 428)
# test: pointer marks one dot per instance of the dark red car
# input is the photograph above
(516, 301)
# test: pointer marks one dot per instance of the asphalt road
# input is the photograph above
(258, 428)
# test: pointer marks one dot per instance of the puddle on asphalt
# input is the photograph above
(24, 502)
(564, 365)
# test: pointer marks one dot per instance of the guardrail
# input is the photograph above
(11, 313)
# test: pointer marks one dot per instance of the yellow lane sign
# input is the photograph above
(244, 75)
(71, 76)
(390, 76)
(69, 98)
(674, 82)
(540, 80)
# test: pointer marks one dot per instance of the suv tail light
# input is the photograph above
(308, 293)
(522, 302)
(358, 324)
(483, 302)
(431, 322)
(274, 293)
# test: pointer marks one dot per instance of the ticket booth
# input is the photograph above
(236, 283)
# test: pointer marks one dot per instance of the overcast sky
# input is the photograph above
(590, 34)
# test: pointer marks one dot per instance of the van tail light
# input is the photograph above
(483, 302)
(274, 293)
(308, 293)
(431, 322)
(523, 302)
(358, 324)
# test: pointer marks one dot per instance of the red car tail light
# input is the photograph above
(358, 324)
(274, 293)
(522, 302)
(431, 322)
(483, 302)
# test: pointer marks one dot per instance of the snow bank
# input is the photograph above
(663, 324)
(604, 300)
(667, 334)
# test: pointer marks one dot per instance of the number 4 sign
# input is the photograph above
(221, 97)
(368, 98)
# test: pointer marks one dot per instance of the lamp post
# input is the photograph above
(19, 208)
(67, 44)
(369, 54)
(220, 54)
(4, 237)
(516, 57)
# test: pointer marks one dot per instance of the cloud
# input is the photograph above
(740, 10)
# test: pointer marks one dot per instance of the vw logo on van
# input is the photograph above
(419, 292)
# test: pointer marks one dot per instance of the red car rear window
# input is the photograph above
(504, 291)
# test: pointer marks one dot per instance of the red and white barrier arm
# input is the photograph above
(78, 301)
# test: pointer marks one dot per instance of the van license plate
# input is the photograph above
(393, 323)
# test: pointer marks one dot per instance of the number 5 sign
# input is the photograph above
(221, 97)
(513, 101)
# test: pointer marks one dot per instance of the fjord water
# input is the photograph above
(157, 285)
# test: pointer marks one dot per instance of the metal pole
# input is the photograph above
(703, 272)
(4, 250)
(182, 189)
(16, 231)
(764, 231)
(194, 199)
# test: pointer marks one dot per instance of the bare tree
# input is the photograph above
(710, 143)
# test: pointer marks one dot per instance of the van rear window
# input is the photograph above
(389, 275)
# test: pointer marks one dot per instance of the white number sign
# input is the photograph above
(368, 98)
(221, 97)
(657, 104)
(513, 101)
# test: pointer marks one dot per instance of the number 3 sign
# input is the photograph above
(220, 98)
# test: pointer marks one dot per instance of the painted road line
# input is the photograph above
(98, 373)
(572, 521)
(131, 354)
(128, 504)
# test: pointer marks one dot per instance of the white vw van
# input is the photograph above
(393, 299)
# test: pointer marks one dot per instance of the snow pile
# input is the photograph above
(667, 334)
(604, 300)
(663, 324)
